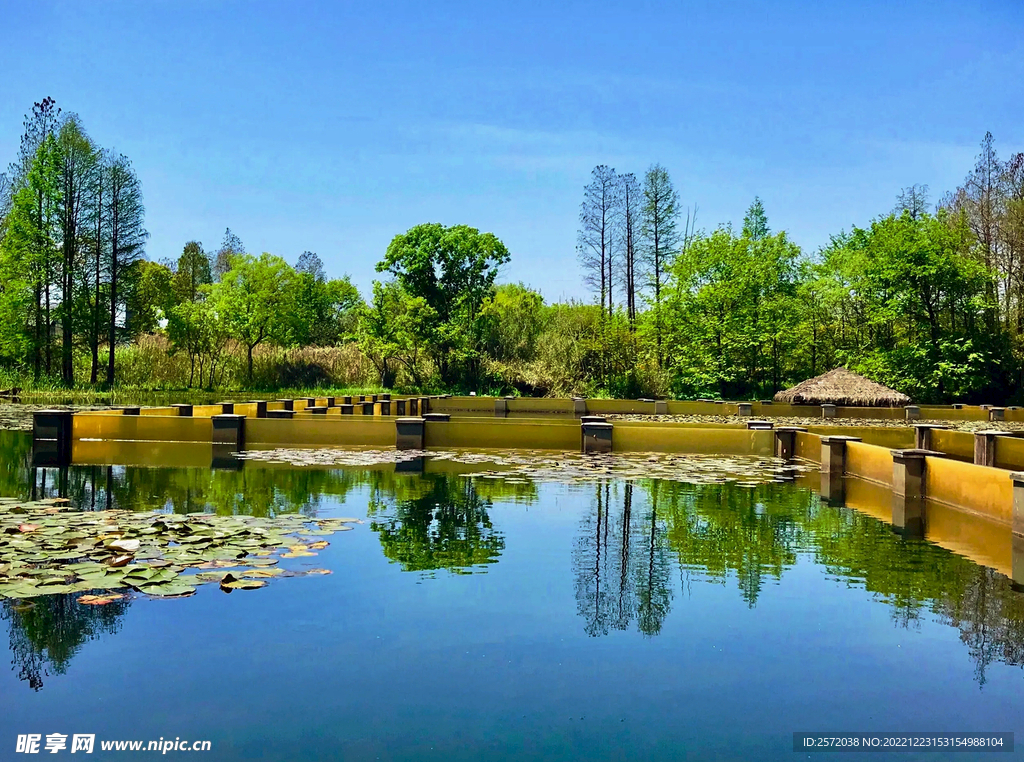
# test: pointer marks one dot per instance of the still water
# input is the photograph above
(490, 619)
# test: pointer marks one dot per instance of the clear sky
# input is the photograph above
(333, 126)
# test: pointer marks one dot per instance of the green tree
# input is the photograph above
(254, 299)
(192, 273)
(125, 214)
(452, 270)
(659, 214)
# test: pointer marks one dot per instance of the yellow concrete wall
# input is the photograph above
(892, 437)
(539, 405)
(979, 489)
(869, 462)
(627, 437)
(500, 433)
(158, 411)
(1010, 453)
(959, 444)
(807, 447)
(142, 428)
(358, 430)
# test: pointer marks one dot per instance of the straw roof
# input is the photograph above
(842, 387)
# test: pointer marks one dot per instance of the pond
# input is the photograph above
(607, 616)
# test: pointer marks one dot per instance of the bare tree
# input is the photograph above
(629, 218)
(596, 236)
(913, 200)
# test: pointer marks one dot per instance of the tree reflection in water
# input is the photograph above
(634, 534)
(632, 539)
(46, 633)
(436, 521)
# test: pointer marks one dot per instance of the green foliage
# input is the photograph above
(451, 271)
(729, 314)
(512, 321)
(254, 301)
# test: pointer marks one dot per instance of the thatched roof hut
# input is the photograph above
(842, 387)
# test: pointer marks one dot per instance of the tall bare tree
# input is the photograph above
(596, 237)
(630, 196)
(914, 200)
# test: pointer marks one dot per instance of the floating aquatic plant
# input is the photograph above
(46, 549)
(521, 466)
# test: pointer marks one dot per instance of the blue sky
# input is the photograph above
(334, 126)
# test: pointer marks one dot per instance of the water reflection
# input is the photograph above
(46, 633)
(633, 536)
(437, 521)
(638, 546)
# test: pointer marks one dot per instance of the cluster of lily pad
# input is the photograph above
(46, 549)
(560, 467)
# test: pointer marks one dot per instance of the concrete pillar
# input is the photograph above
(132, 411)
(424, 405)
(261, 408)
(828, 410)
(362, 398)
(385, 398)
(229, 429)
(579, 406)
(410, 433)
(348, 409)
(373, 398)
(597, 437)
(436, 417)
(908, 498)
(923, 434)
(744, 408)
(1017, 520)
(317, 410)
(400, 407)
(661, 407)
(785, 441)
(913, 412)
(833, 466)
(760, 425)
(985, 447)
(288, 404)
(227, 408)
(958, 406)
(346, 400)
(1017, 532)
(331, 401)
(766, 402)
(500, 407)
(367, 407)
(310, 401)
(413, 406)
(997, 413)
(984, 407)
(385, 407)
(185, 410)
(52, 437)
(286, 414)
